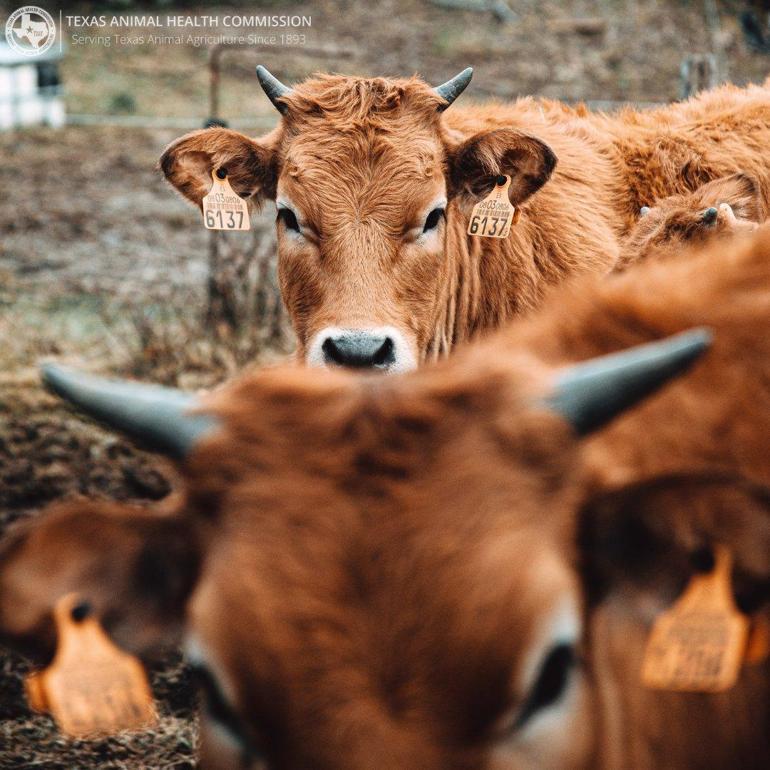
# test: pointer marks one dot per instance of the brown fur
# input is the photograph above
(362, 159)
(380, 555)
(676, 221)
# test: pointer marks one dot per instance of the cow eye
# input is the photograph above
(551, 682)
(219, 711)
(433, 219)
(289, 219)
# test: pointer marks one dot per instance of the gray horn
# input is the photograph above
(454, 87)
(155, 416)
(590, 394)
(273, 88)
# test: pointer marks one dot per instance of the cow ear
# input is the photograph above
(651, 535)
(250, 164)
(132, 567)
(479, 160)
(741, 191)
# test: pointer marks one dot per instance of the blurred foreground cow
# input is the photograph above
(456, 569)
(374, 184)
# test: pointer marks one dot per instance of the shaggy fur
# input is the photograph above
(673, 222)
(362, 160)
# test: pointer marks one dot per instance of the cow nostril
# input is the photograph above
(359, 351)
(332, 354)
(386, 353)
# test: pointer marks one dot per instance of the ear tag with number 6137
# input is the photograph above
(492, 217)
(223, 208)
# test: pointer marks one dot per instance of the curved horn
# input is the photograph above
(590, 394)
(454, 87)
(156, 416)
(273, 88)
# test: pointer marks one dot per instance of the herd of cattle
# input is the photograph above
(458, 567)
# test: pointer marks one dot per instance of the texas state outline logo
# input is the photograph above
(30, 30)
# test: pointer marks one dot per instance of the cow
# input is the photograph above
(374, 180)
(722, 207)
(453, 569)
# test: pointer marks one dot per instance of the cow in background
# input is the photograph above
(719, 208)
(374, 180)
(454, 569)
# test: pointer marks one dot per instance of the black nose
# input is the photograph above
(359, 350)
(710, 216)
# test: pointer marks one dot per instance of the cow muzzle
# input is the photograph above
(383, 348)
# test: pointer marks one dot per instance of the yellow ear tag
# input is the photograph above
(223, 208)
(92, 688)
(699, 643)
(492, 217)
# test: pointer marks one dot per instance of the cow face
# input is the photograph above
(353, 610)
(384, 626)
(720, 207)
(372, 192)
(387, 572)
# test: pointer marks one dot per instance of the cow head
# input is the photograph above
(379, 574)
(720, 207)
(366, 179)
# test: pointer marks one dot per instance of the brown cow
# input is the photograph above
(437, 571)
(722, 207)
(374, 182)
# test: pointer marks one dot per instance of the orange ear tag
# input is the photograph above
(223, 208)
(92, 688)
(758, 646)
(699, 643)
(492, 217)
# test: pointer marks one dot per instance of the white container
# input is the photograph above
(30, 93)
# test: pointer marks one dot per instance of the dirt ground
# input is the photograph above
(102, 266)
